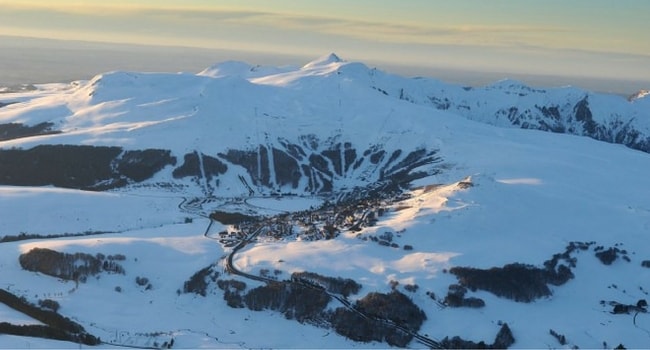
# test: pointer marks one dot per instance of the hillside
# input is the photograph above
(232, 207)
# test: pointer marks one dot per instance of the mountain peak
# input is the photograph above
(507, 83)
(639, 95)
(324, 61)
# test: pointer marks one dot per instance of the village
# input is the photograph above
(323, 223)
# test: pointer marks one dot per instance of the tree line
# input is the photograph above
(71, 267)
(56, 326)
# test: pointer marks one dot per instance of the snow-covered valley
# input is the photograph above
(354, 173)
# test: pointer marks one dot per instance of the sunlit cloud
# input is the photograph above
(381, 31)
(536, 47)
(198, 21)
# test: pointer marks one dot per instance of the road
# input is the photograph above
(230, 268)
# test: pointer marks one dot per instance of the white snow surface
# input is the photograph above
(532, 194)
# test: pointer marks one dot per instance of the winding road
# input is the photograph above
(231, 268)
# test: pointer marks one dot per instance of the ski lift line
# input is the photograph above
(383, 139)
(204, 179)
(383, 124)
(128, 346)
(257, 138)
(243, 181)
(271, 162)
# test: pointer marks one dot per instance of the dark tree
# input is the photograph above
(49, 304)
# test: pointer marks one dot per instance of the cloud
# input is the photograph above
(536, 48)
(383, 31)
(188, 18)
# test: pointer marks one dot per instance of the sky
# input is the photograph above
(580, 38)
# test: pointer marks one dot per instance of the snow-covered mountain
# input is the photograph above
(405, 186)
(235, 128)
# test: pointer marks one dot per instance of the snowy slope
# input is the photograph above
(480, 195)
(326, 117)
(266, 124)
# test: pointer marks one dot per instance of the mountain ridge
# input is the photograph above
(326, 136)
(233, 199)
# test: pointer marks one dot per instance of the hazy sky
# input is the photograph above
(596, 38)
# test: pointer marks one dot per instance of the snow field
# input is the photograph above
(532, 193)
